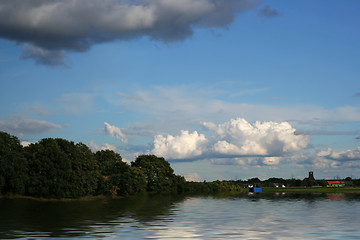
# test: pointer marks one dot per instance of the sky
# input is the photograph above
(222, 89)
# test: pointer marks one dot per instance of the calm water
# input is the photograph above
(262, 217)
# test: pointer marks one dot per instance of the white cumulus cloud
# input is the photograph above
(235, 138)
(345, 155)
(193, 177)
(115, 132)
(239, 137)
(187, 145)
(25, 143)
(272, 160)
(94, 147)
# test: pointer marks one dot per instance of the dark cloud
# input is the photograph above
(268, 12)
(358, 138)
(43, 56)
(357, 94)
(51, 28)
(21, 125)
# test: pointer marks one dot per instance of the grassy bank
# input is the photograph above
(300, 190)
(313, 190)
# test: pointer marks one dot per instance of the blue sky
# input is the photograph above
(221, 89)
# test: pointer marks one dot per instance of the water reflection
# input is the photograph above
(19, 217)
(265, 216)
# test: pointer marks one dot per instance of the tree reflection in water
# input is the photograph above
(165, 216)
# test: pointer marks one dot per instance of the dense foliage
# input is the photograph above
(118, 177)
(215, 187)
(58, 168)
(159, 175)
(13, 165)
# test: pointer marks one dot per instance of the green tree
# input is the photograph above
(59, 168)
(180, 184)
(109, 162)
(254, 180)
(137, 182)
(159, 175)
(13, 165)
(87, 166)
(118, 177)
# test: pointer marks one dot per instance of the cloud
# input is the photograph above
(44, 56)
(139, 131)
(241, 161)
(332, 132)
(322, 163)
(345, 155)
(187, 145)
(115, 132)
(247, 92)
(76, 103)
(193, 177)
(21, 125)
(268, 12)
(331, 159)
(25, 143)
(94, 147)
(349, 112)
(235, 138)
(239, 137)
(170, 109)
(272, 160)
(357, 94)
(128, 97)
(175, 105)
(51, 28)
(41, 110)
(254, 162)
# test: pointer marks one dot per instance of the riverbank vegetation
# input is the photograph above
(280, 183)
(60, 169)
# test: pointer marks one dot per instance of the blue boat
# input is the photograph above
(254, 189)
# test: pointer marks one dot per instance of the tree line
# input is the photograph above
(58, 168)
(281, 182)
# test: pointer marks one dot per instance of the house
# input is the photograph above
(335, 183)
(277, 185)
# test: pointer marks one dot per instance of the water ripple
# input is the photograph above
(188, 218)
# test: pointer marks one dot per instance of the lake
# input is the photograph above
(263, 216)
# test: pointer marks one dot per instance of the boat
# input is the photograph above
(254, 189)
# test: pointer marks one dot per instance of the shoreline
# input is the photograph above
(301, 190)
(312, 189)
(42, 199)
